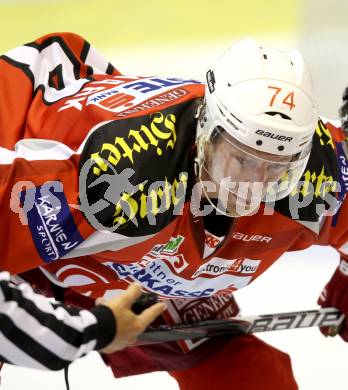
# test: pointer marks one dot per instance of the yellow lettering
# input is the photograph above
(113, 158)
(169, 123)
(131, 211)
(323, 184)
(158, 118)
(321, 130)
(154, 197)
(143, 206)
(100, 162)
(128, 152)
(152, 203)
(167, 194)
(142, 144)
(143, 137)
(308, 178)
(320, 180)
(178, 187)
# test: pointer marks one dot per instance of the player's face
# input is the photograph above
(241, 175)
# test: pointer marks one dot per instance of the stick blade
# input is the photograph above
(325, 317)
(197, 330)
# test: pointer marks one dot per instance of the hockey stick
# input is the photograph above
(327, 317)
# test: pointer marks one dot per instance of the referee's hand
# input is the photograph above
(130, 325)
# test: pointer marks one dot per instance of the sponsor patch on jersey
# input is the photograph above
(159, 278)
(218, 266)
(343, 167)
(156, 101)
(51, 224)
(129, 95)
(179, 311)
(343, 179)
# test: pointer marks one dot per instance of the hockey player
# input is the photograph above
(192, 191)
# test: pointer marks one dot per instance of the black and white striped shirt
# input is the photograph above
(38, 333)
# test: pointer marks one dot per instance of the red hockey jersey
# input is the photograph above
(96, 179)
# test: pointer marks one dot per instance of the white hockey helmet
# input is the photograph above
(262, 98)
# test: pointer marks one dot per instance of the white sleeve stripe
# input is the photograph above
(100, 241)
(30, 338)
(44, 335)
(61, 313)
(96, 61)
(38, 149)
(16, 356)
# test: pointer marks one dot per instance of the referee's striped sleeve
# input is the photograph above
(34, 332)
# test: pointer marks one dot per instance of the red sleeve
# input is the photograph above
(39, 150)
(338, 235)
(55, 93)
(46, 67)
(38, 189)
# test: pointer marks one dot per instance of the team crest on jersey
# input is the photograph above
(170, 248)
(211, 241)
